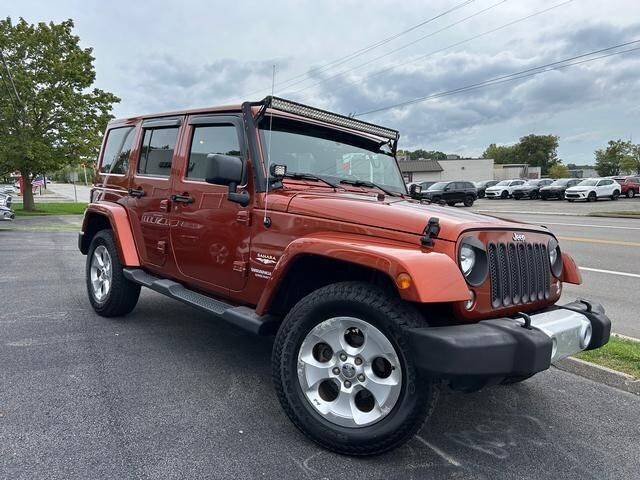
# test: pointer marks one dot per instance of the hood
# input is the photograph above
(495, 187)
(577, 188)
(394, 213)
(524, 187)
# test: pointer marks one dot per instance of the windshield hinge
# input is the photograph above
(431, 232)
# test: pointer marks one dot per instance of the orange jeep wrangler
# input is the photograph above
(283, 218)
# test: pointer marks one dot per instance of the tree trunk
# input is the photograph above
(27, 193)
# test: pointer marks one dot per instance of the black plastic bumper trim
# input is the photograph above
(495, 348)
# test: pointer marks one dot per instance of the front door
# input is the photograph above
(209, 234)
(150, 189)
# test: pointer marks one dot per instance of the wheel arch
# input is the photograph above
(312, 262)
(99, 217)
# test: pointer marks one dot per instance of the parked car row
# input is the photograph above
(571, 189)
(5, 207)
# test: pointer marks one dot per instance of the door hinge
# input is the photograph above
(240, 266)
(244, 218)
(162, 246)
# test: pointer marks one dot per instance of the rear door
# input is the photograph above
(209, 234)
(150, 189)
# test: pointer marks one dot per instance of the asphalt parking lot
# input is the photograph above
(171, 393)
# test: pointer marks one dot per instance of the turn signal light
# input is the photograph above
(403, 281)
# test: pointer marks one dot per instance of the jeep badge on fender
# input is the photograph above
(375, 298)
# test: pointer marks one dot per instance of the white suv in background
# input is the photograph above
(503, 189)
(592, 189)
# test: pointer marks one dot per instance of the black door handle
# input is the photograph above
(182, 198)
(136, 193)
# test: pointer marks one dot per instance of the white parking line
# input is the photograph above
(611, 272)
(591, 226)
(447, 457)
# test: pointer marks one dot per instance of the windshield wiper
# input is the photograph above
(308, 176)
(366, 183)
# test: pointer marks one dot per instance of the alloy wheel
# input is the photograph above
(349, 372)
(101, 273)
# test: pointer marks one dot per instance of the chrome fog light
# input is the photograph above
(468, 305)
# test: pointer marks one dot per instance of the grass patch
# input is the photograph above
(619, 354)
(624, 213)
(53, 208)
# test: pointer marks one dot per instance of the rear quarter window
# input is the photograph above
(117, 148)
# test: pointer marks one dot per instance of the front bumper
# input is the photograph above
(521, 193)
(507, 347)
(576, 195)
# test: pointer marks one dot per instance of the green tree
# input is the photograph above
(49, 115)
(619, 156)
(501, 154)
(538, 151)
(558, 171)
(630, 162)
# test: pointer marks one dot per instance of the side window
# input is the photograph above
(157, 151)
(221, 139)
(635, 180)
(115, 158)
(604, 182)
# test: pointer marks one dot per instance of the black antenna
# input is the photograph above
(266, 220)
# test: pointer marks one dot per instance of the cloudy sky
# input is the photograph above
(162, 55)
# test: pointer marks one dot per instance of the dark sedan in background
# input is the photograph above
(558, 187)
(451, 193)
(531, 189)
(483, 185)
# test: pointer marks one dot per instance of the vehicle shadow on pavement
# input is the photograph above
(221, 376)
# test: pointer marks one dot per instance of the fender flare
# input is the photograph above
(570, 271)
(435, 276)
(119, 221)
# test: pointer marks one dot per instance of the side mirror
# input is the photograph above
(227, 170)
(447, 188)
(415, 190)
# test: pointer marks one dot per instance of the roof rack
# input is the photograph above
(302, 110)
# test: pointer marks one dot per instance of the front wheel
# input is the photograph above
(592, 197)
(630, 193)
(344, 372)
(504, 194)
(110, 293)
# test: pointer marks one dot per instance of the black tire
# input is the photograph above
(451, 204)
(533, 195)
(504, 194)
(123, 294)
(592, 197)
(468, 201)
(435, 200)
(570, 200)
(631, 193)
(389, 315)
(480, 194)
(516, 197)
(616, 195)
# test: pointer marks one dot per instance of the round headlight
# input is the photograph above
(467, 259)
(555, 258)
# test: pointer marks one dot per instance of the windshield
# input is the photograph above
(329, 153)
(588, 182)
(503, 182)
(560, 183)
(438, 186)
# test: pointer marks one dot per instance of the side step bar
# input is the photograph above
(243, 317)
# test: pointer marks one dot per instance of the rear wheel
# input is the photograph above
(468, 201)
(110, 293)
(344, 372)
(616, 195)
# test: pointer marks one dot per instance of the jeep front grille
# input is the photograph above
(518, 272)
